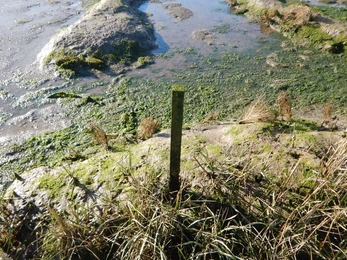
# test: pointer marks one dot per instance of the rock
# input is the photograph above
(204, 35)
(102, 33)
(179, 12)
(272, 60)
(240, 10)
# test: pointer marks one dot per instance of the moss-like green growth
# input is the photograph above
(298, 125)
(48, 149)
(144, 60)
(214, 150)
(315, 35)
(66, 61)
(87, 4)
(235, 130)
(129, 122)
(127, 49)
(178, 88)
(340, 43)
(339, 14)
(53, 184)
(59, 54)
(304, 125)
(242, 133)
(69, 64)
(125, 52)
(297, 21)
(95, 63)
(306, 139)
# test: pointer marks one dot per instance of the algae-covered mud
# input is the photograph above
(26, 26)
(224, 63)
(71, 155)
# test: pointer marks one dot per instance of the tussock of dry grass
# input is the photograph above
(210, 117)
(330, 120)
(99, 135)
(285, 105)
(299, 15)
(147, 128)
(327, 112)
(258, 111)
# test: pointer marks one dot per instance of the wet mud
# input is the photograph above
(26, 26)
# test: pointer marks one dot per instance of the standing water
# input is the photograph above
(207, 24)
(202, 26)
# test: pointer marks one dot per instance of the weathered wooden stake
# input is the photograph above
(176, 137)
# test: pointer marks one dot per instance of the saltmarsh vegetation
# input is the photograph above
(218, 88)
(249, 199)
(237, 202)
(300, 21)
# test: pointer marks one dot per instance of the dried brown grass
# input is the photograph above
(285, 105)
(299, 15)
(327, 113)
(99, 135)
(147, 128)
(210, 117)
(330, 120)
(258, 111)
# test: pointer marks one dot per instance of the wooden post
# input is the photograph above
(176, 137)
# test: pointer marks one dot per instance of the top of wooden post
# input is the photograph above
(179, 88)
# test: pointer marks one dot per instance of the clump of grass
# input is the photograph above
(221, 213)
(285, 105)
(147, 128)
(258, 111)
(100, 137)
(298, 15)
(228, 208)
(327, 113)
(210, 117)
(329, 121)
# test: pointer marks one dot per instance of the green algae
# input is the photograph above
(315, 35)
(69, 64)
(102, 169)
(222, 29)
(304, 26)
(144, 61)
(220, 84)
(336, 13)
(95, 63)
(50, 148)
(66, 61)
(53, 184)
(125, 52)
(214, 150)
